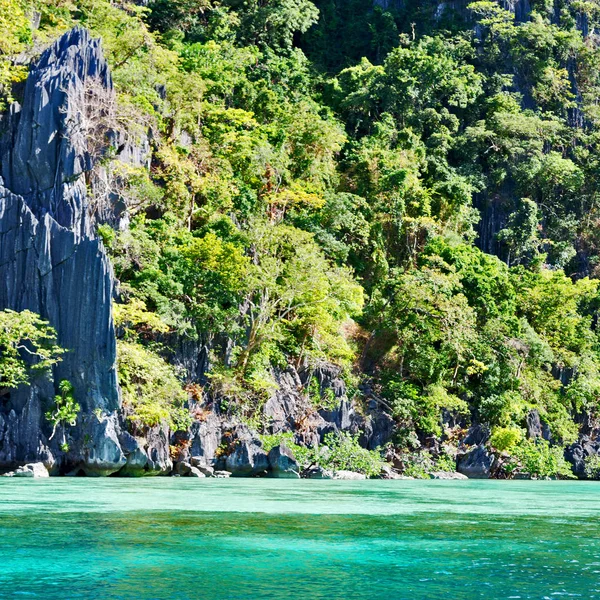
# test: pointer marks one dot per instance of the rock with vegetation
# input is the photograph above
(382, 244)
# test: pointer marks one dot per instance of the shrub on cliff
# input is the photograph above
(27, 348)
(152, 394)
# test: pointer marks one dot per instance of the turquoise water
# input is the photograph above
(256, 538)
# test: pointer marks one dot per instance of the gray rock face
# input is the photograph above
(521, 8)
(475, 463)
(536, 427)
(206, 437)
(248, 459)
(283, 463)
(579, 452)
(288, 405)
(137, 459)
(290, 410)
(476, 435)
(157, 450)
(52, 263)
(375, 428)
(148, 455)
(103, 454)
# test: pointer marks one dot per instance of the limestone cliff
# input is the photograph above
(52, 263)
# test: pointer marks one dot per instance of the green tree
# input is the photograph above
(521, 235)
(27, 348)
(273, 23)
(294, 289)
(64, 413)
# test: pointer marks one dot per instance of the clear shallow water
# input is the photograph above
(244, 539)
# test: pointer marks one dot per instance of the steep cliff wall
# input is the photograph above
(51, 262)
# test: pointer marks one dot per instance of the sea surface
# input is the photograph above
(259, 538)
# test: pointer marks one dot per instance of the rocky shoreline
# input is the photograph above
(55, 265)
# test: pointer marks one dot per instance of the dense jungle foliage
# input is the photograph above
(411, 192)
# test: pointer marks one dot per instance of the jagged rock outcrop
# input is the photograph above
(52, 263)
(476, 462)
(578, 454)
(206, 436)
(289, 409)
(248, 458)
(283, 463)
(148, 454)
(536, 427)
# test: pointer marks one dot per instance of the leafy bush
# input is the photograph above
(107, 234)
(592, 466)
(504, 439)
(344, 453)
(539, 459)
(420, 464)
(151, 390)
(446, 463)
(340, 452)
(269, 441)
